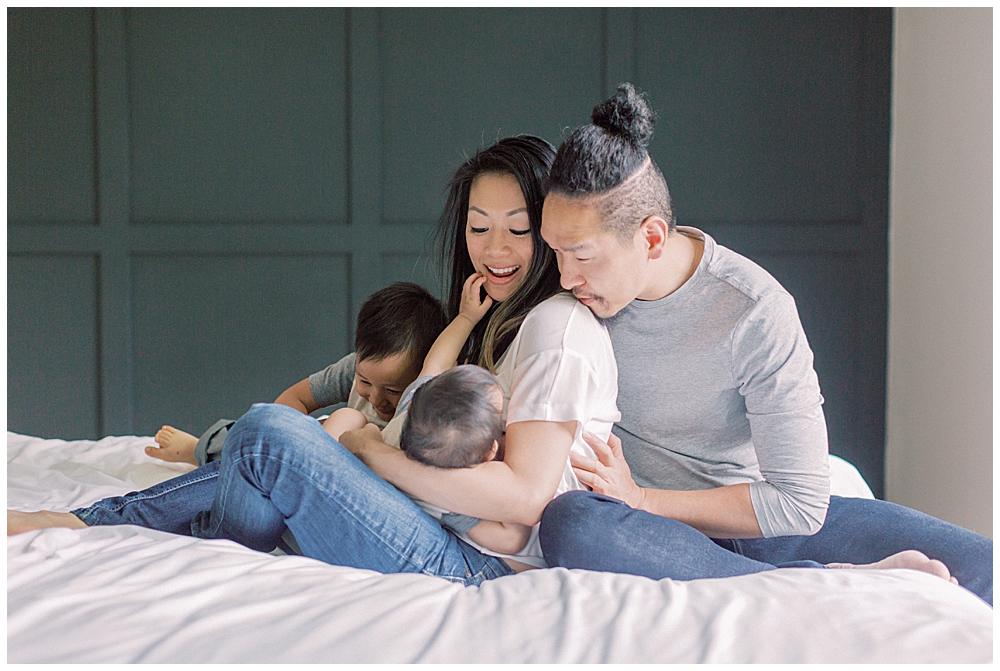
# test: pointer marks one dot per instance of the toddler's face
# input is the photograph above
(382, 382)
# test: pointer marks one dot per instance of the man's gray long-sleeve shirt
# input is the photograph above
(716, 387)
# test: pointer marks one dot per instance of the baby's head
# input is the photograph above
(396, 328)
(456, 419)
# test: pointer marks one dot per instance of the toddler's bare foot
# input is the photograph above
(18, 522)
(911, 559)
(174, 445)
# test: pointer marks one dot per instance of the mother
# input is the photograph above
(281, 470)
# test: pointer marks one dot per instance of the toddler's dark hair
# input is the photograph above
(452, 420)
(608, 162)
(403, 317)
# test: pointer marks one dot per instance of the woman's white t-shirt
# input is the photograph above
(560, 367)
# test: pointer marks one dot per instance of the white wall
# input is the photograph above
(939, 453)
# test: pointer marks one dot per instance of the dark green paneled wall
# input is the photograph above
(758, 125)
(237, 116)
(50, 116)
(453, 81)
(200, 200)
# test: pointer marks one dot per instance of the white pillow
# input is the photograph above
(846, 481)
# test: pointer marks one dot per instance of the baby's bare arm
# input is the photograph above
(445, 350)
(500, 537)
(344, 419)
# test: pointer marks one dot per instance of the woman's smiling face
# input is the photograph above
(497, 233)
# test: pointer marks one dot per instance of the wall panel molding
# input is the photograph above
(214, 333)
(455, 80)
(50, 117)
(115, 351)
(365, 163)
(238, 115)
(756, 106)
(53, 334)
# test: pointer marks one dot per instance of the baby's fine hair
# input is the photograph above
(403, 317)
(452, 420)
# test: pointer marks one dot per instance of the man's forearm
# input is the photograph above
(724, 512)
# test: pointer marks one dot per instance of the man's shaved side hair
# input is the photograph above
(644, 194)
(606, 165)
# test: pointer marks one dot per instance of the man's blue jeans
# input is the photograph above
(591, 531)
(280, 469)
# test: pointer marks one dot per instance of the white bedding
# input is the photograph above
(126, 594)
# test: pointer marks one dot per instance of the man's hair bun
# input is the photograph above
(602, 155)
(626, 114)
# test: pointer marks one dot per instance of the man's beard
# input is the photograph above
(598, 302)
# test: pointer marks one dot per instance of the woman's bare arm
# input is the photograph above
(514, 490)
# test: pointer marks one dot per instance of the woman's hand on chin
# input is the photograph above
(609, 474)
(367, 440)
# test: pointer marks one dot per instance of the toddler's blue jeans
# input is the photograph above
(280, 469)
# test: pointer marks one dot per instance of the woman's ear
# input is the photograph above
(654, 231)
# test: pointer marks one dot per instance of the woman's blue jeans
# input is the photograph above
(591, 531)
(280, 469)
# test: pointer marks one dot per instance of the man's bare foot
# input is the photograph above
(18, 522)
(911, 559)
(174, 445)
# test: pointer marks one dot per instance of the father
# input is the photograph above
(720, 463)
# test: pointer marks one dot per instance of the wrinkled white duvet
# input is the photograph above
(126, 594)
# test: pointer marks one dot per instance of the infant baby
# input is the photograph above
(454, 420)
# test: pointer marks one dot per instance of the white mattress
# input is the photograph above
(126, 594)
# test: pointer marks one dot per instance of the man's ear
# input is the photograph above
(654, 232)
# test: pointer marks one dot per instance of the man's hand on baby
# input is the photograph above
(609, 474)
(472, 308)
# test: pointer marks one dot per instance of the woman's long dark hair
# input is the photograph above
(527, 159)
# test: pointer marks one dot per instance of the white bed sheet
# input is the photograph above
(126, 594)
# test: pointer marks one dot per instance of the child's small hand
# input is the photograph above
(472, 308)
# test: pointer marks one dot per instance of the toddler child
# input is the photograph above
(396, 327)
